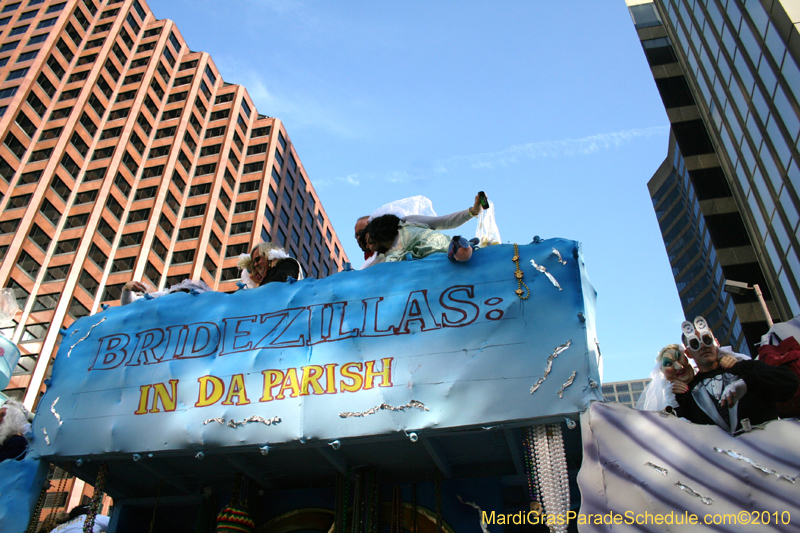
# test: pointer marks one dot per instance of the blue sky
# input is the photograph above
(549, 107)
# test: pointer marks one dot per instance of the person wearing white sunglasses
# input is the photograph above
(727, 396)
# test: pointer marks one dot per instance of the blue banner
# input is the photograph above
(20, 485)
(395, 347)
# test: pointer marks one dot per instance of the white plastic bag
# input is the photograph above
(8, 307)
(487, 232)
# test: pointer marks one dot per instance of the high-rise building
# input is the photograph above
(125, 156)
(727, 195)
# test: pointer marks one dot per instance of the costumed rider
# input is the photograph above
(77, 519)
(268, 263)
(416, 210)
(393, 239)
(748, 390)
(673, 373)
(15, 429)
(133, 290)
(670, 376)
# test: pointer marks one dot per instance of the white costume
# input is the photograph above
(418, 210)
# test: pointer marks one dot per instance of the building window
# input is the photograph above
(66, 246)
(185, 234)
(219, 115)
(56, 273)
(214, 242)
(200, 189)
(18, 201)
(45, 302)
(28, 264)
(139, 215)
(249, 186)
(55, 8)
(229, 274)
(242, 227)
(113, 292)
(131, 239)
(36, 332)
(97, 255)
(152, 273)
(76, 221)
(153, 172)
(245, 207)
(215, 132)
(88, 283)
(235, 250)
(183, 256)
(197, 210)
(253, 167)
(165, 225)
(39, 237)
(145, 193)
(202, 170)
(210, 150)
(77, 310)
(210, 266)
(122, 264)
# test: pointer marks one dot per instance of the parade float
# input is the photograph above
(390, 395)
(421, 396)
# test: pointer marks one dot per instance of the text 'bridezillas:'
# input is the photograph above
(296, 327)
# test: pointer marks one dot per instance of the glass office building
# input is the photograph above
(696, 266)
(727, 71)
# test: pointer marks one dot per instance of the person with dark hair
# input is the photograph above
(268, 263)
(77, 519)
(13, 426)
(394, 238)
(418, 203)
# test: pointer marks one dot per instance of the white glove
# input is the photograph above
(733, 393)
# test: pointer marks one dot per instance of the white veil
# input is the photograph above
(415, 205)
(658, 393)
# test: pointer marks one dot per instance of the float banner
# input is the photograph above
(398, 346)
(645, 471)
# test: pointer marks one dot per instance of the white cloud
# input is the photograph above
(295, 111)
(352, 179)
(559, 148)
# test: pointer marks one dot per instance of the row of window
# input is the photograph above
(755, 111)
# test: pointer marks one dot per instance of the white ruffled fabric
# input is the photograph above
(277, 254)
(658, 394)
(247, 280)
(415, 205)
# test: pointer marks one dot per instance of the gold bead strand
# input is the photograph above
(518, 274)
